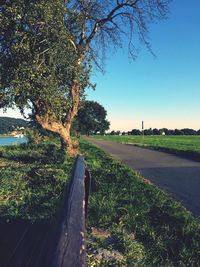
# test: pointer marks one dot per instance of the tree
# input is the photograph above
(187, 131)
(47, 48)
(178, 132)
(164, 131)
(92, 118)
(156, 131)
(148, 131)
(115, 132)
(135, 132)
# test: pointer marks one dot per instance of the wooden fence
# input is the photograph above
(70, 247)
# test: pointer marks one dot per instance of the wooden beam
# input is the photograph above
(70, 246)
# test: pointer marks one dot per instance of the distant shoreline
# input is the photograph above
(9, 135)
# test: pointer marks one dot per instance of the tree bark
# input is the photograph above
(61, 128)
(62, 131)
(66, 141)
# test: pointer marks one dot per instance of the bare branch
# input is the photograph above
(75, 97)
(73, 44)
(111, 15)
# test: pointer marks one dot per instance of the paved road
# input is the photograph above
(175, 175)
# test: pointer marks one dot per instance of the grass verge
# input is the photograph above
(130, 222)
(133, 223)
(185, 146)
(32, 179)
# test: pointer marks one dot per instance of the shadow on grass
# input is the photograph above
(23, 243)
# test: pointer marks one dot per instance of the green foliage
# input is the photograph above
(91, 118)
(47, 47)
(38, 61)
(149, 227)
(34, 136)
(32, 180)
(9, 124)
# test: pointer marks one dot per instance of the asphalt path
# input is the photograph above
(175, 175)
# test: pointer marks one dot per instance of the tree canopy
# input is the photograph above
(91, 118)
(47, 48)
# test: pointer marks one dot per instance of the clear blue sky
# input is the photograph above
(163, 91)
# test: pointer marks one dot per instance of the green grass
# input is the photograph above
(147, 226)
(185, 145)
(32, 179)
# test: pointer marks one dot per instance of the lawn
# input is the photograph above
(32, 179)
(130, 222)
(141, 225)
(185, 145)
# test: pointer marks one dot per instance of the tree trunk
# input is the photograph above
(66, 141)
(61, 128)
(62, 131)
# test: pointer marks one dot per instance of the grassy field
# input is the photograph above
(130, 222)
(146, 226)
(185, 145)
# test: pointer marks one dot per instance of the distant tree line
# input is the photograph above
(9, 124)
(155, 131)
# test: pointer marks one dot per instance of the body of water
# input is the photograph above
(10, 140)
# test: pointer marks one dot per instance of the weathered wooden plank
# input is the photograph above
(87, 189)
(70, 246)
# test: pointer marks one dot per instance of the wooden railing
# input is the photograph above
(70, 246)
(60, 243)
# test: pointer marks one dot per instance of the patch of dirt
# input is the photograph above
(100, 233)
